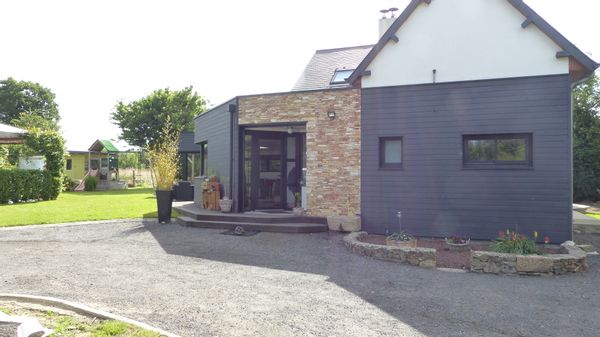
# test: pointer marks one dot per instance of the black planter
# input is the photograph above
(164, 201)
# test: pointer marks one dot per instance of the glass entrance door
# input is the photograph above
(272, 169)
(269, 178)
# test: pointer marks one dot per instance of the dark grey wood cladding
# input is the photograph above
(435, 193)
(215, 127)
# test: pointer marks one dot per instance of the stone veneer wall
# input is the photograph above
(332, 146)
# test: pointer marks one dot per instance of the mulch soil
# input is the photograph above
(445, 257)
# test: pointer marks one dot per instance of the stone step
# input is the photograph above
(297, 227)
(249, 217)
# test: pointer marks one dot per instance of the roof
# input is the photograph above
(10, 134)
(530, 17)
(101, 144)
(320, 69)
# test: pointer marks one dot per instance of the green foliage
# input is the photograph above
(4, 162)
(16, 185)
(90, 183)
(28, 121)
(68, 184)
(21, 97)
(586, 140)
(129, 160)
(515, 243)
(51, 145)
(142, 121)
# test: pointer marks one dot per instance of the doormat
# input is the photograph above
(240, 231)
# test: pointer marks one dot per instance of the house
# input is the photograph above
(11, 135)
(100, 160)
(458, 118)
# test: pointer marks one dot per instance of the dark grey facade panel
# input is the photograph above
(215, 128)
(436, 194)
(186, 142)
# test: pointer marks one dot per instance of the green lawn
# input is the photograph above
(594, 215)
(82, 206)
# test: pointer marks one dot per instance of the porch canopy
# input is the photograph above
(11, 135)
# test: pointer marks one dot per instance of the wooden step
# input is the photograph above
(254, 226)
(196, 213)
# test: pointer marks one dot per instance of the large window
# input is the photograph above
(204, 158)
(497, 151)
(390, 152)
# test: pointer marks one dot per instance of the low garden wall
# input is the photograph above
(422, 257)
(573, 260)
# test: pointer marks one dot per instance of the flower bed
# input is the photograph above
(431, 253)
(422, 257)
(571, 259)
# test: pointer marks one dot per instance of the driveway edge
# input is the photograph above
(81, 309)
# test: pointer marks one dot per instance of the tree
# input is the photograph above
(586, 140)
(19, 99)
(142, 121)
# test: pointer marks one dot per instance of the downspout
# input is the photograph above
(232, 110)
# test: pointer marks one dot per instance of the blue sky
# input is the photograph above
(94, 53)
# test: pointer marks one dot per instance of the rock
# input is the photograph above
(534, 264)
(568, 244)
(586, 248)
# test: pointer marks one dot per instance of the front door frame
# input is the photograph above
(255, 162)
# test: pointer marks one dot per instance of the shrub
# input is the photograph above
(515, 243)
(68, 184)
(23, 185)
(90, 183)
(400, 236)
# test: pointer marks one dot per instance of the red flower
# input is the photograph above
(546, 239)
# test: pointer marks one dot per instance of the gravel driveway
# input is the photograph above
(197, 282)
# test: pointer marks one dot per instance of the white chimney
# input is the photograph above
(385, 22)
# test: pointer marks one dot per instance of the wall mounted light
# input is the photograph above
(331, 114)
(290, 130)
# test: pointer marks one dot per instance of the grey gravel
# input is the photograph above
(197, 282)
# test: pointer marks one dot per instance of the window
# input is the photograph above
(340, 76)
(69, 164)
(497, 151)
(390, 152)
(204, 158)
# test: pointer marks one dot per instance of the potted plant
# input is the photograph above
(401, 239)
(225, 203)
(164, 163)
(298, 210)
(458, 243)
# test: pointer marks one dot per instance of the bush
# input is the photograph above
(90, 183)
(22, 185)
(68, 184)
(515, 243)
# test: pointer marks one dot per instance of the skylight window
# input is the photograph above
(340, 76)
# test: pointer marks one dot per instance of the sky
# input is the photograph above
(92, 54)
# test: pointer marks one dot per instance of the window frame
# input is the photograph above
(383, 165)
(203, 158)
(498, 164)
(343, 81)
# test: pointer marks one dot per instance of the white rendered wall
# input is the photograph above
(464, 40)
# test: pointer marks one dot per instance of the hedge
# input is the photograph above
(23, 185)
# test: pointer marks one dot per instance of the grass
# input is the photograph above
(83, 206)
(64, 325)
(594, 215)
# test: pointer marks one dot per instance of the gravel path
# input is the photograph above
(197, 282)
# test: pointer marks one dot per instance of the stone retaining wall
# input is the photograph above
(572, 261)
(422, 257)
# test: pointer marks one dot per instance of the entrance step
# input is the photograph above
(196, 213)
(296, 227)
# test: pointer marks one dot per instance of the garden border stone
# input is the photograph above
(421, 257)
(81, 309)
(572, 260)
